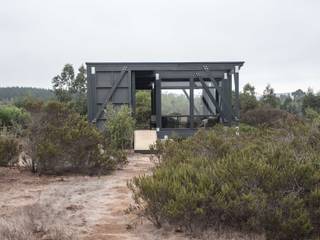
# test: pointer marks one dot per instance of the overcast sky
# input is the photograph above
(278, 39)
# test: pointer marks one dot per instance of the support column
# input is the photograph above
(191, 102)
(223, 96)
(237, 97)
(158, 101)
(229, 98)
(132, 91)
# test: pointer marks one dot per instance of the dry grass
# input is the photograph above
(229, 234)
(35, 222)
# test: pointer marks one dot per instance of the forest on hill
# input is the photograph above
(13, 93)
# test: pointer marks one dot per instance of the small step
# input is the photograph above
(143, 139)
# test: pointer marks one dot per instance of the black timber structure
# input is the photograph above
(116, 83)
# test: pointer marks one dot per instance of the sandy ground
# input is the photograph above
(93, 207)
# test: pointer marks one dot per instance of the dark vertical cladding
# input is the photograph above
(90, 93)
(116, 83)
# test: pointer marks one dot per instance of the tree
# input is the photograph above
(290, 105)
(79, 85)
(269, 98)
(298, 95)
(8, 94)
(248, 99)
(249, 89)
(311, 100)
(62, 83)
(71, 88)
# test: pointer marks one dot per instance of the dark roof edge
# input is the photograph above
(147, 63)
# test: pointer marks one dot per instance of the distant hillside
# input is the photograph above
(11, 93)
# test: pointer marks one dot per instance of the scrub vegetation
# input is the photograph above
(264, 180)
(9, 150)
(61, 141)
(119, 127)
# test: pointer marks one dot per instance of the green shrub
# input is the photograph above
(63, 141)
(9, 150)
(30, 104)
(11, 115)
(143, 109)
(119, 127)
(311, 114)
(264, 181)
(79, 104)
(270, 117)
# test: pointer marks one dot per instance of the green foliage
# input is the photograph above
(9, 150)
(269, 98)
(79, 85)
(15, 93)
(270, 117)
(174, 103)
(30, 104)
(311, 114)
(143, 109)
(119, 126)
(71, 88)
(79, 104)
(248, 99)
(293, 104)
(263, 180)
(63, 141)
(63, 83)
(11, 115)
(311, 100)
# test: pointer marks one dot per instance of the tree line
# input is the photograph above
(296, 102)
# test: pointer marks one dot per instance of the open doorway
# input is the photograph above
(144, 99)
(143, 109)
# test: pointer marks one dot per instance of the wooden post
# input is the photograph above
(158, 101)
(237, 96)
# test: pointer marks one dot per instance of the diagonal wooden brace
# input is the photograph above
(188, 97)
(110, 94)
(220, 92)
(206, 88)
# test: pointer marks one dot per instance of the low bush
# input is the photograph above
(264, 181)
(30, 104)
(269, 117)
(119, 127)
(62, 141)
(9, 150)
(12, 115)
(312, 115)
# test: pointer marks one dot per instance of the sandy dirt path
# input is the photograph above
(91, 206)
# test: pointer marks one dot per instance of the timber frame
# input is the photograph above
(116, 83)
